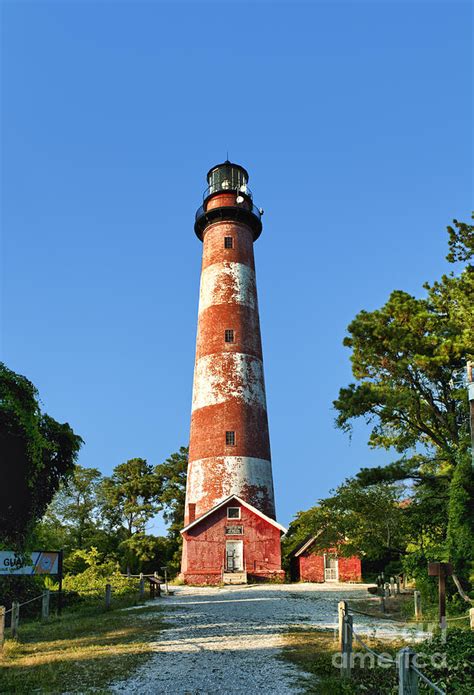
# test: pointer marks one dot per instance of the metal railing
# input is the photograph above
(200, 212)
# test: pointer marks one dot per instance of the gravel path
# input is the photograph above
(225, 640)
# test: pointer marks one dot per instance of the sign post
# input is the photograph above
(441, 570)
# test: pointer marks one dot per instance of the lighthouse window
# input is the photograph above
(233, 512)
(229, 335)
(230, 438)
(228, 242)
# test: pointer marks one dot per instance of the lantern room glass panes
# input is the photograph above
(227, 177)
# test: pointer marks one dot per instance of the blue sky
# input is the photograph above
(354, 121)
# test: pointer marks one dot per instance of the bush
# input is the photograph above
(454, 674)
(91, 582)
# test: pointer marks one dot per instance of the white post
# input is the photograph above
(407, 678)
(15, 618)
(471, 618)
(45, 605)
(392, 586)
(417, 599)
(387, 590)
(342, 610)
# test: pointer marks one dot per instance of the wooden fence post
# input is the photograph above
(45, 605)
(407, 678)
(347, 654)
(158, 586)
(398, 583)
(2, 626)
(471, 618)
(108, 596)
(342, 610)
(417, 599)
(15, 618)
(142, 586)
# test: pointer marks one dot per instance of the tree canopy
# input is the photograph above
(37, 454)
(409, 364)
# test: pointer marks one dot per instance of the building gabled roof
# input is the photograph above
(244, 504)
(307, 544)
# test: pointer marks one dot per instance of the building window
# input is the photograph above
(191, 511)
(233, 512)
(230, 438)
(229, 335)
(228, 242)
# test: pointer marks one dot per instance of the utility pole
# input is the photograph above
(470, 395)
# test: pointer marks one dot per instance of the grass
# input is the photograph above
(312, 651)
(83, 651)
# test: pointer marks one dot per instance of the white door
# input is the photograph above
(234, 560)
(330, 568)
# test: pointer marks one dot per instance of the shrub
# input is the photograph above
(455, 674)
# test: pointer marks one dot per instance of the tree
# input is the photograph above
(37, 454)
(408, 359)
(461, 519)
(76, 505)
(356, 520)
(129, 499)
(171, 477)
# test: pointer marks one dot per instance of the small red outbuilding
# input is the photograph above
(323, 566)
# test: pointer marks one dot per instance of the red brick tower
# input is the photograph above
(229, 450)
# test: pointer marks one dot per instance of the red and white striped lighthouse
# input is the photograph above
(230, 528)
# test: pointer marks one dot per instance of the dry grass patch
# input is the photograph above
(84, 651)
(312, 651)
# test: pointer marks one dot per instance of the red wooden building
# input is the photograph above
(325, 566)
(235, 536)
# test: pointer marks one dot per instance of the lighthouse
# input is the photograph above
(231, 534)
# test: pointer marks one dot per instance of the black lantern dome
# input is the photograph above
(222, 178)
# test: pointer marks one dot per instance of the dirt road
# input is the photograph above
(225, 640)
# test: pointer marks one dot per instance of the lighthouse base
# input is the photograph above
(233, 543)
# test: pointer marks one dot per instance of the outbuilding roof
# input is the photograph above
(307, 544)
(244, 504)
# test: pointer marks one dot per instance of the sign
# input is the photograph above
(437, 569)
(234, 530)
(39, 562)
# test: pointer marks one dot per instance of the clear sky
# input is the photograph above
(354, 121)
